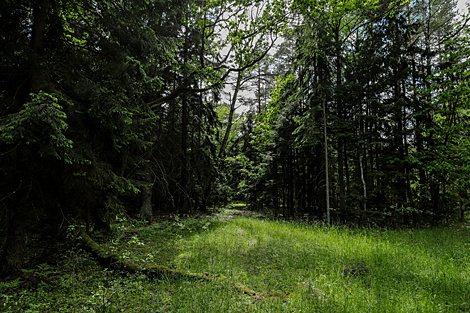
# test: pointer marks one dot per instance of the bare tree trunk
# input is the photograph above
(224, 143)
(223, 146)
(12, 259)
(363, 181)
(38, 79)
(13, 255)
(326, 165)
(339, 105)
(184, 205)
(146, 211)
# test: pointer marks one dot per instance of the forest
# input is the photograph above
(347, 113)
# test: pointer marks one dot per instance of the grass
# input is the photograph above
(413, 270)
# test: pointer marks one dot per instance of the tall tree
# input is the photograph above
(372, 68)
(77, 117)
(104, 103)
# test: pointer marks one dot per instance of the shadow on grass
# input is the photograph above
(160, 243)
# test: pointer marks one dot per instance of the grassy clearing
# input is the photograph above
(424, 270)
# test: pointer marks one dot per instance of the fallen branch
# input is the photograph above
(156, 271)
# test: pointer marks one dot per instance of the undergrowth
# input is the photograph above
(322, 269)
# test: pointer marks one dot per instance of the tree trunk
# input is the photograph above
(339, 107)
(223, 145)
(183, 204)
(363, 182)
(13, 257)
(38, 71)
(146, 212)
(326, 164)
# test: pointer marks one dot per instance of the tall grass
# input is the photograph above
(420, 270)
(407, 270)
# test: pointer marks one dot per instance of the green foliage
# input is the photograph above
(5, 287)
(268, 119)
(92, 68)
(396, 135)
(43, 122)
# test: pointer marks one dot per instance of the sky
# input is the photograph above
(461, 4)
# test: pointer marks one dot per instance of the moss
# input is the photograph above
(156, 267)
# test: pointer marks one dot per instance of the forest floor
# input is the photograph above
(292, 266)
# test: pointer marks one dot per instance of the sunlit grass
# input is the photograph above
(421, 270)
(408, 270)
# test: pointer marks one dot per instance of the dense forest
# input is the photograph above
(357, 113)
